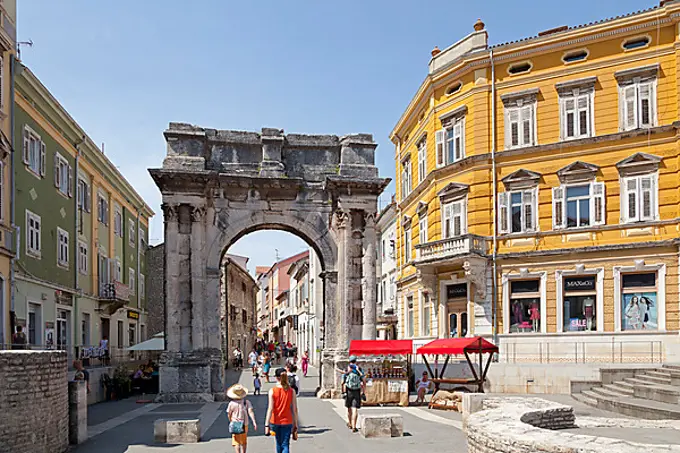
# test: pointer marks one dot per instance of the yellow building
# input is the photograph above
(538, 190)
(7, 238)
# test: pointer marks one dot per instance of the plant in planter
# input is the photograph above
(122, 382)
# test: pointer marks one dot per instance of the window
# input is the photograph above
(84, 201)
(117, 221)
(638, 104)
(454, 221)
(639, 302)
(520, 125)
(639, 198)
(525, 305)
(33, 237)
(82, 257)
(63, 175)
(450, 142)
(142, 240)
(102, 209)
(132, 334)
(453, 89)
(578, 205)
(422, 160)
(120, 334)
(34, 152)
(577, 55)
(411, 322)
(576, 115)
(636, 43)
(62, 247)
(517, 211)
(85, 329)
(427, 315)
(117, 270)
(382, 250)
(132, 229)
(407, 245)
(422, 230)
(131, 280)
(519, 68)
(579, 304)
(405, 178)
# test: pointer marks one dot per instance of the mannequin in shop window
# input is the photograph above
(589, 312)
(535, 316)
(633, 313)
(518, 312)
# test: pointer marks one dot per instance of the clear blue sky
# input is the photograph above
(124, 69)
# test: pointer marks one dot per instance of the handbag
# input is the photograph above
(236, 427)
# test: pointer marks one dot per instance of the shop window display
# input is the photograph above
(639, 302)
(580, 304)
(525, 302)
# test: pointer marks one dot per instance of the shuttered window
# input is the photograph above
(454, 221)
(579, 205)
(450, 142)
(576, 115)
(638, 105)
(517, 211)
(639, 201)
(520, 121)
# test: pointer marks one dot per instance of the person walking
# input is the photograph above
(353, 386)
(257, 385)
(305, 363)
(19, 339)
(252, 360)
(238, 411)
(266, 366)
(282, 413)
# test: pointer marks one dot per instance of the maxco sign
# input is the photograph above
(579, 284)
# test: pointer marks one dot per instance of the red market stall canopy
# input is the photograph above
(458, 346)
(381, 347)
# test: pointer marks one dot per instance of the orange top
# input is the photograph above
(282, 412)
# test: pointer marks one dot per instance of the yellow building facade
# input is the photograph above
(538, 190)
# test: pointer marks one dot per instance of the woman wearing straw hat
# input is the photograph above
(237, 412)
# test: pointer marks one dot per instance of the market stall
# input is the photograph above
(386, 364)
(459, 346)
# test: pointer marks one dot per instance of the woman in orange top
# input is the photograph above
(282, 412)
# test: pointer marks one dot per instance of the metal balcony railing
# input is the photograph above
(114, 291)
(451, 247)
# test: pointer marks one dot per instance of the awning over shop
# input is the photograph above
(156, 343)
(381, 347)
(458, 346)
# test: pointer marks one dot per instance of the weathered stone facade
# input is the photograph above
(155, 279)
(237, 291)
(34, 405)
(219, 185)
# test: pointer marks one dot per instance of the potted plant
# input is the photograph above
(121, 382)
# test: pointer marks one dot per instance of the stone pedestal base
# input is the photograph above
(381, 425)
(77, 412)
(193, 376)
(333, 364)
(271, 169)
(177, 431)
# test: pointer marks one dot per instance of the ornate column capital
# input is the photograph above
(341, 219)
(330, 276)
(369, 219)
(198, 213)
(170, 211)
(476, 274)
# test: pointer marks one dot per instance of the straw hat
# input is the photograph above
(237, 392)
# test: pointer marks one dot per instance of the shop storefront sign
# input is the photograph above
(132, 314)
(579, 284)
(456, 291)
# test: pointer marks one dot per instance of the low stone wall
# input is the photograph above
(516, 425)
(97, 390)
(34, 411)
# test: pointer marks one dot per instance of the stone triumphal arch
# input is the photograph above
(218, 185)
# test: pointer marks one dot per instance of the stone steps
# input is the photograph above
(624, 390)
(636, 381)
(608, 392)
(666, 374)
(652, 379)
(672, 366)
(635, 407)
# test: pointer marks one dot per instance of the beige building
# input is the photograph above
(239, 291)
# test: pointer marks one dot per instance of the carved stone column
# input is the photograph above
(171, 217)
(198, 269)
(428, 283)
(369, 273)
(338, 315)
(331, 348)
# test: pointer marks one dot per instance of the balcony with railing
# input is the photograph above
(115, 294)
(454, 247)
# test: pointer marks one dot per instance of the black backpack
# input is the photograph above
(292, 381)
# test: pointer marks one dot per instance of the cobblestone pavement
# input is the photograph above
(126, 427)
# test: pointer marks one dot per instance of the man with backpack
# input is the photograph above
(353, 386)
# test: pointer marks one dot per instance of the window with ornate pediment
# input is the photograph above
(637, 97)
(576, 107)
(580, 200)
(639, 187)
(520, 118)
(518, 205)
(453, 202)
(450, 139)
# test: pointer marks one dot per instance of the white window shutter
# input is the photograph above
(458, 140)
(43, 152)
(569, 119)
(630, 113)
(503, 212)
(27, 144)
(647, 198)
(70, 181)
(463, 217)
(598, 209)
(646, 108)
(528, 211)
(558, 207)
(57, 173)
(439, 144)
(583, 115)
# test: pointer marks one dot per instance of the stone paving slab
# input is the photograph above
(181, 407)
(653, 436)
